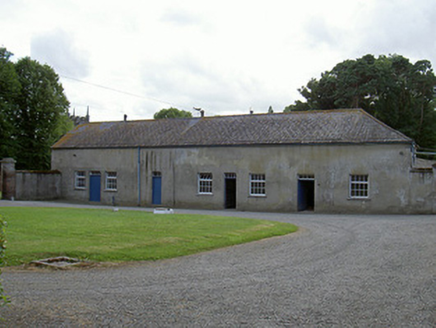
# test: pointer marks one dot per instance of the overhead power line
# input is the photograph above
(120, 91)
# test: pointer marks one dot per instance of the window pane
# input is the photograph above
(111, 180)
(205, 183)
(80, 180)
(359, 186)
(257, 184)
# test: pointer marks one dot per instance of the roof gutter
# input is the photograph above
(326, 143)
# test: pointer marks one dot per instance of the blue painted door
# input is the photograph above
(301, 196)
(94, 187)
(157, 190)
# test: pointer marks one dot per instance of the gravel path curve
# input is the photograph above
(337, 271)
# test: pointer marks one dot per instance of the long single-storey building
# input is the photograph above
(338, 161)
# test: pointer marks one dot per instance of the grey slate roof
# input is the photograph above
(312, 127)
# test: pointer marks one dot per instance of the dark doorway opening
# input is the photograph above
(306, 195)
(230, 190)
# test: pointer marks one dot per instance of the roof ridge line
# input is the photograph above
(233, 115)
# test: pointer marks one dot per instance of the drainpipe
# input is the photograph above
(413, 154)
(139, 176)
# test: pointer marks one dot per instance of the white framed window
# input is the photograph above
(359, 186)
(80, 179)
(111, 181)
(205, 183)
(257, 185)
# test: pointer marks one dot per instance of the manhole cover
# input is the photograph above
(60, 262)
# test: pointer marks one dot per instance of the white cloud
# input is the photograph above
(181, 17)
(223, 56)
(57, 48)
(404, 27)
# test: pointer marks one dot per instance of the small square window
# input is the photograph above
(257, 185)
(359, 186)
(111, 181)
(205, 183)
(80, 180)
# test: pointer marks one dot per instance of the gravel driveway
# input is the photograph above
(344, 271)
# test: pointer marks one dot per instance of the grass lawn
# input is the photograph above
(104, 235)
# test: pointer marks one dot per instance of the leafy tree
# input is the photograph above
(297, 106)
(42, 109)
(270, 110)
(9, 89)
(391, 88)
(171, 113)
(33, 111)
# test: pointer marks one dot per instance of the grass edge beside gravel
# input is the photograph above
(102, 235)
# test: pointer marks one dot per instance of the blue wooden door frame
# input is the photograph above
(157, 191)
(94, 187)
(301, 196)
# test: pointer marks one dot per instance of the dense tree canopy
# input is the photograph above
(9, 90)
(391, 88)
(171, 113)
(33, 111)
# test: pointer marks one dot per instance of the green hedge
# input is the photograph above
(3, 297)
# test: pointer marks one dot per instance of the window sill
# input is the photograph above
(204, 194)
(364, 199)
(110, 190)
(256, 196)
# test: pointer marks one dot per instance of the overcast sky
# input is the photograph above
(226, 57)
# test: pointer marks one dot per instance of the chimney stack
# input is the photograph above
(125, 117)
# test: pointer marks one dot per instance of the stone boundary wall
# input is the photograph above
(7, 178)
(38, 185)
(28, 185)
